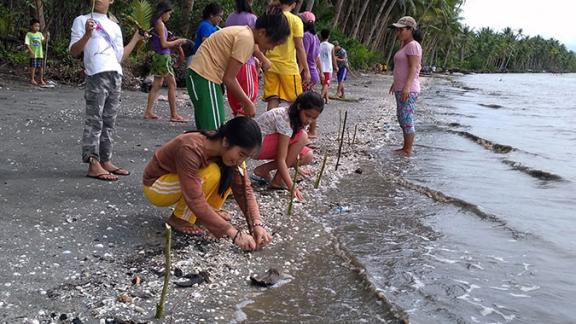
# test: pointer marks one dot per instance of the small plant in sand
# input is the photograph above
(291, 202)
(167, 267)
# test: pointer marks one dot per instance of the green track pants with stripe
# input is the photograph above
(208, 101)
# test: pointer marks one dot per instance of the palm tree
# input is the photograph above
(337, 14)
(186, 15)
(360, 17)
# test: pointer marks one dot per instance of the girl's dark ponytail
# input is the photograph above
(417, 35)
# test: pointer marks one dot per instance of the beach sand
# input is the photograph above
(72, 246)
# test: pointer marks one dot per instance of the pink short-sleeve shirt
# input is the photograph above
(401, 67)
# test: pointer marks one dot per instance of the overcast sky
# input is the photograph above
(549, 19)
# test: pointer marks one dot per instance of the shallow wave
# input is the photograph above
(357, 266)
(493, 106)
(487, 144)
(472, 208)
(535, 173)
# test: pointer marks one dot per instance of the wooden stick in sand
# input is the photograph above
(349, 137)
(341, 139)
(291, 203)
(339, 124)
(244, 173)
(167, 267)
(354, 137)
(317, 184)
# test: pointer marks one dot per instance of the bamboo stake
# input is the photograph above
(341, 139)
(244, 182)
(168, 266)
(339, 124)
(349, 137)
(317, 184)
(291, 203)
(354, 137)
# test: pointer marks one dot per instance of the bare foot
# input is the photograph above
(108, 166)
(34, 82)
(182, 226)
(150, 116)
(95, 170)
(42, 82)
(403, 152)
(263, 175)
(224, 214)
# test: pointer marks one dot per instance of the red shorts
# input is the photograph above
(248, 79)
(269, 149)
(327, 78)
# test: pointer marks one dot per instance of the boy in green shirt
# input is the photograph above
(33, 41)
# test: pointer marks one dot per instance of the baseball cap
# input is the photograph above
(307, 17)
(405, 21)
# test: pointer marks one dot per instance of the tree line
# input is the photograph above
(359, 25)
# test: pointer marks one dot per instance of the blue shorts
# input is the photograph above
(342, 73)
(36, 62)
(405, 111)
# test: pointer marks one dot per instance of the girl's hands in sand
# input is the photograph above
(261, 236)
(298, 194)
(245, 242)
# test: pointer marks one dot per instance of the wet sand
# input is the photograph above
(71, 246)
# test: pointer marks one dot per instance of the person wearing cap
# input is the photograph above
(406, 86)
(282, 82)
(312, 48)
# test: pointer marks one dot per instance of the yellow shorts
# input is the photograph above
(165, 191)
(283, 87)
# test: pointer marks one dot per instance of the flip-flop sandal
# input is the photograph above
(191, 229)
(179, 120)
(102, 177)
(151, 117)
(312, 145)
(261, 181)
(120, 172)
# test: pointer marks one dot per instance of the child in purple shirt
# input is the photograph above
(162, 63)
(312, 48)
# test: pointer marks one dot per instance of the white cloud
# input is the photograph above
(549, 19)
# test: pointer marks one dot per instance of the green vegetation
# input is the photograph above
(359, 25)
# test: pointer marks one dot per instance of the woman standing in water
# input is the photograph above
(406, 86)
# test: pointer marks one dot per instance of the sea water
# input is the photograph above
(478, 227)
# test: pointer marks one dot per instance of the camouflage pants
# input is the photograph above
(102, 101)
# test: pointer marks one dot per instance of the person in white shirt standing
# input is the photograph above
(328, 61)
(100, 39)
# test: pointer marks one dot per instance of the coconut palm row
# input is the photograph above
(360, 25)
